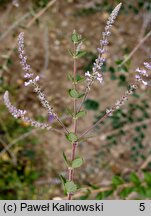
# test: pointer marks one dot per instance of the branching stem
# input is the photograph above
(106, 115)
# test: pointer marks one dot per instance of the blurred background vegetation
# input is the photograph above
(118, 155)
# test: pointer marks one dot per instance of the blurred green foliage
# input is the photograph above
(18, 165)
(135, 113)
(41, 3)
(91, 104)
(17, 181)
(133, 185)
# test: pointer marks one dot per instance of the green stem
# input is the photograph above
(74, 145)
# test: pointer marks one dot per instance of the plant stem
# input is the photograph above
(93, 126)
(61, 123)
(75, 111)
(87, 90)
(74, 145)
(71, 171)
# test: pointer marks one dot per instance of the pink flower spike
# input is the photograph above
(88, 74)
(137, 76)
(28, 75)
(36, 79)
(147, 65)
(101, 51)
(28, 83)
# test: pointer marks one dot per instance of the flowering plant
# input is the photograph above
(90, 77)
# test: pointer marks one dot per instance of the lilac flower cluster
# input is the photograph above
(26, 67)
(36, 123)
(18, 113)
(43, 99)
(29, 75)
(97, 66)
(142, 74)
(122, 100)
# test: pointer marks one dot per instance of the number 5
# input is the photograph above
(142, 206)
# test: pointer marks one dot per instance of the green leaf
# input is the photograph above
(77, 162)
(91, 104)
(103, 195)
(70, 77)
(63, 179)
(148, 193)
(73, 93)
(79, 78)
(112, 70)
(81, 114)
(66, 160)
(93, 186)
(147, 177)
(72, 137)
(75, 37)
(81, 95)
(134, 178)
(119, 61)
(86, 196)
(70, 187)
(117, 180)
(81, 54)
(141, 190)
(125, 192)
